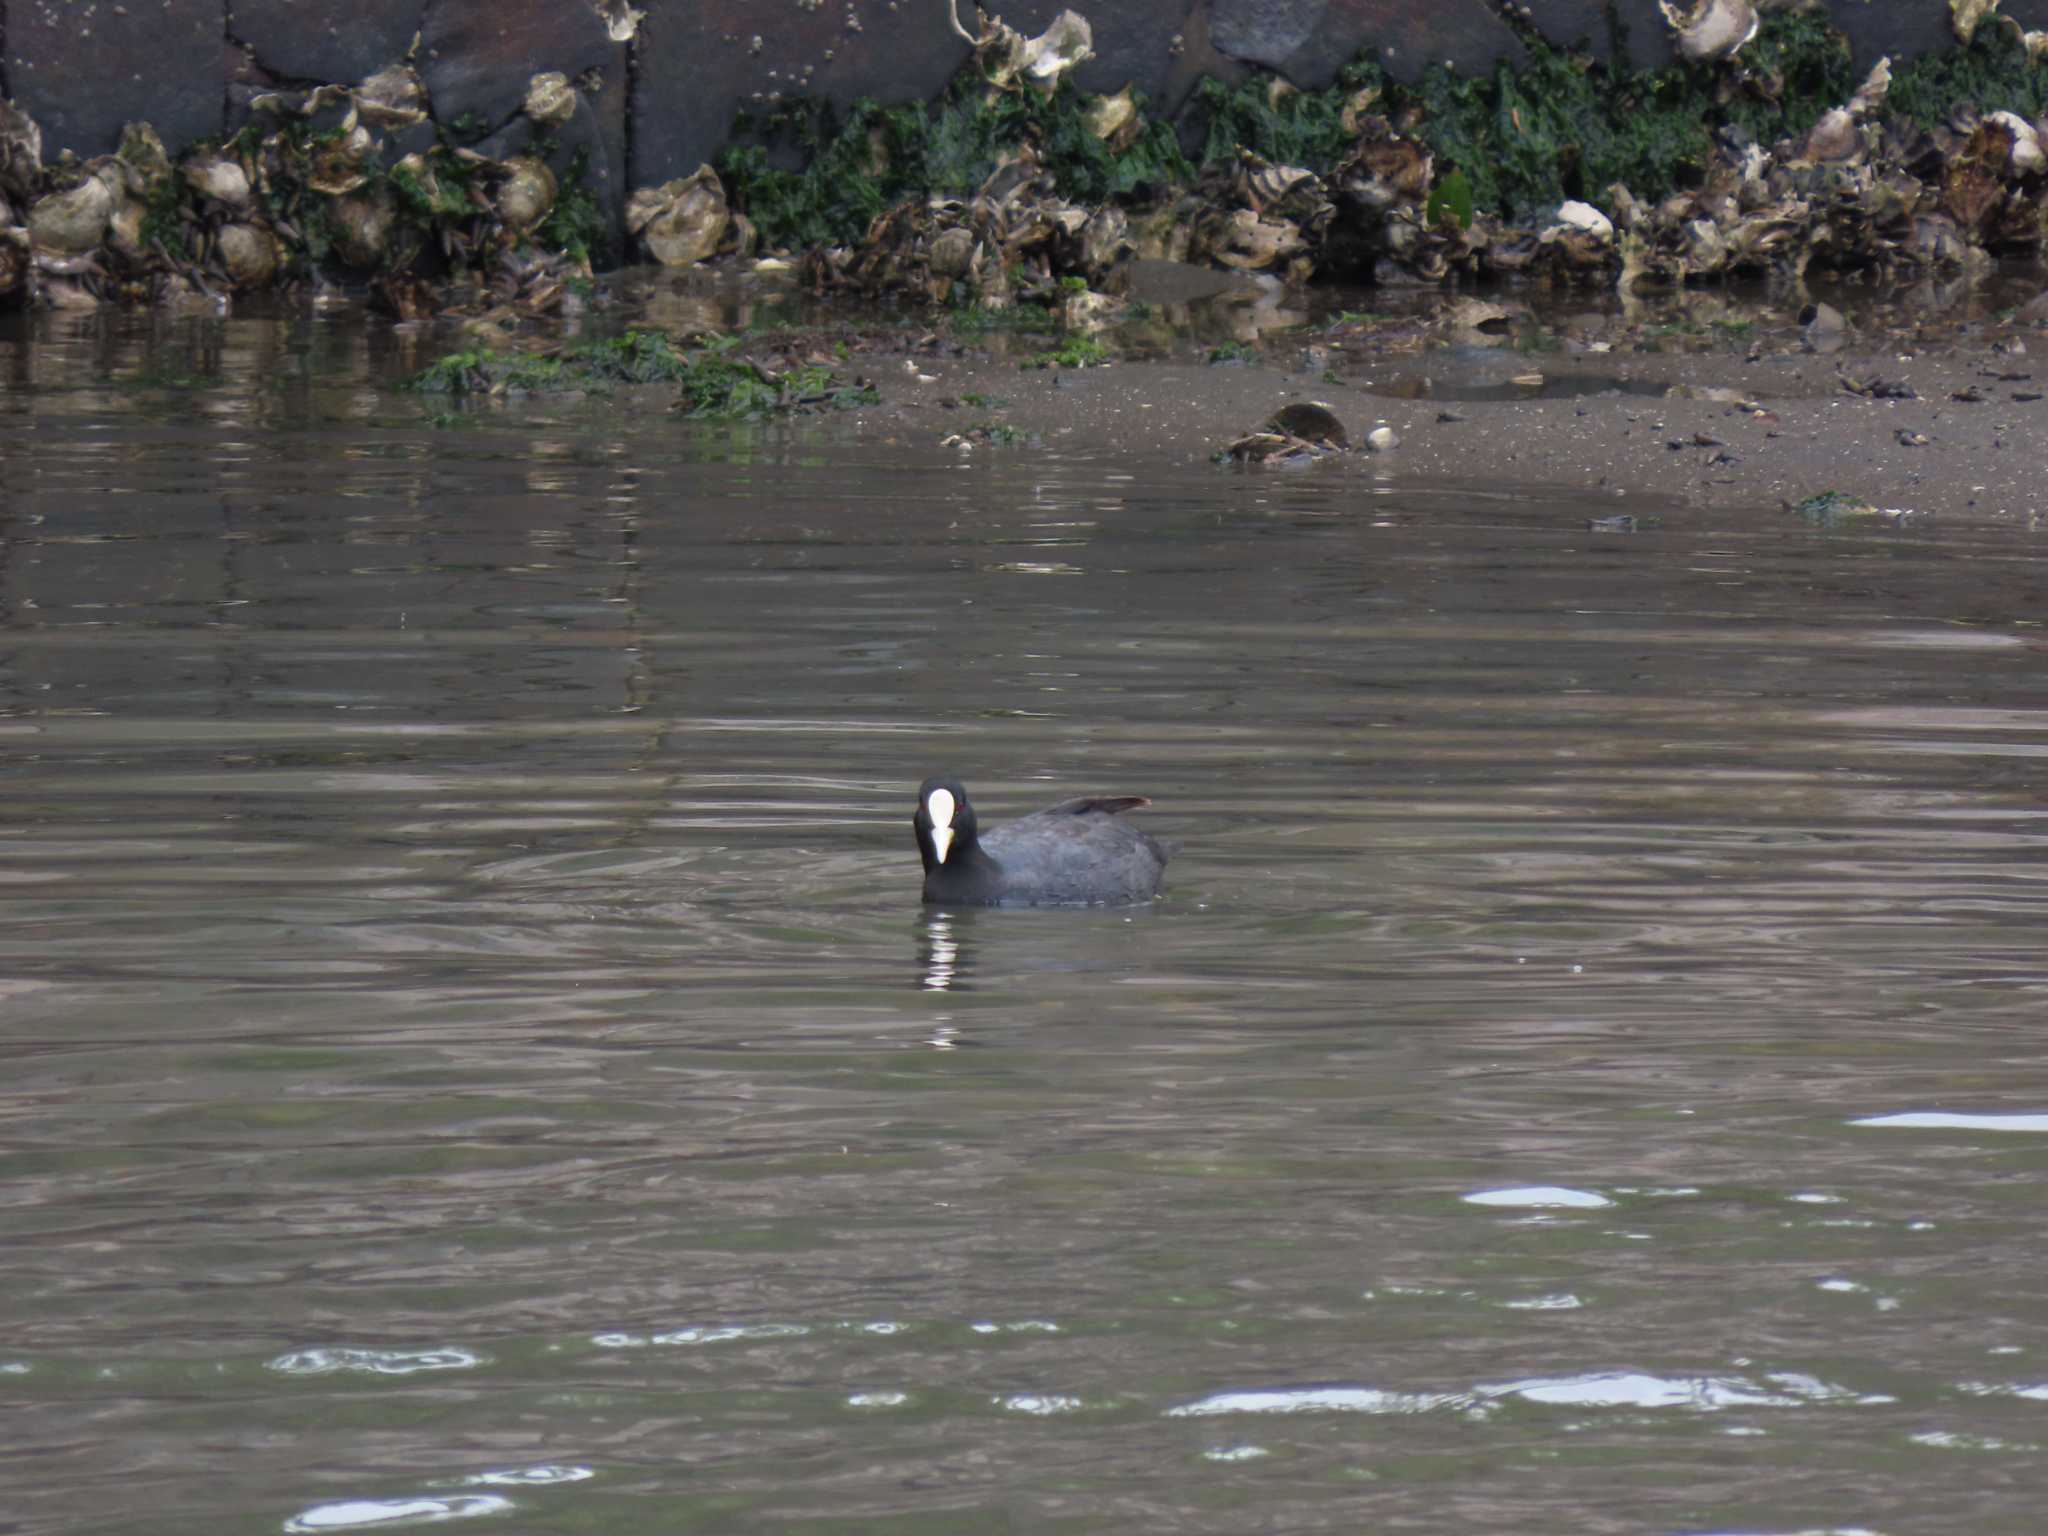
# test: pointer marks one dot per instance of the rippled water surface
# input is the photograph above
(471, 1049)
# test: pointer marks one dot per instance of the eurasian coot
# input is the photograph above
(1076, 853)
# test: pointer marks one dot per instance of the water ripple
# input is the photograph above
(380, 1514)
(375, 1362)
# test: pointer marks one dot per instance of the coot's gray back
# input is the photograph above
(1076, 854)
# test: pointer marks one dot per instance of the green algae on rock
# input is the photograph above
(1753, 152)
(1760, 156)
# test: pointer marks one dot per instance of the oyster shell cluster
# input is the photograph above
(359, 181)
(348, 178)
(1860, 190)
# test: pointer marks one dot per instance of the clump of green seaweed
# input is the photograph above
(712, 380)
(1993, 72)
(860, 164)
(355, 182)
(1521, 139)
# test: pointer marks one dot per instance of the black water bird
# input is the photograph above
(1074, 854)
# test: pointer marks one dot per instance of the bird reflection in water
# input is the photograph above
(939, 950)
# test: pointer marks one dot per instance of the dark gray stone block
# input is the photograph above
(83, 71)
(1902, 32)
(697, 62)
(477, 56)
(1309, 41)
(319, 42)
(1263, 31)
(1595, 24)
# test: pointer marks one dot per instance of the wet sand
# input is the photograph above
(1943, 417)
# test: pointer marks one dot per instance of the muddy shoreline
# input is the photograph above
(1904, 414)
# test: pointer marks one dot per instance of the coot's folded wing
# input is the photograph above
(1108, 805)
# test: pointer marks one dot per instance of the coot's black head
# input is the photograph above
(946, 832)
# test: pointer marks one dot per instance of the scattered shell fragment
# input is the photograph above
(1876, 388)
(124, 228)
(343, 165)
(363, 224)
(1243, 240)
(1006, 57)
(528, 193)
(955, 253)
(21, 151)
(2026, 157)
(1356, 107)
(682, 221)
(1586, 219)
(1870, 94)
(621, 21)
(1382, 439)
(247, 254)
(143, 153)
(1311, 421)
(550, 98)
(1834, 137)
(392, 98)
(219, 177)
(1116, 120)
(1711, 29)
(1965, 16)
(1059, 48)
(1837, 509)
(72, 221)
(1269, 448)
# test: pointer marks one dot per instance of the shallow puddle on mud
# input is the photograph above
(472, 1048)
